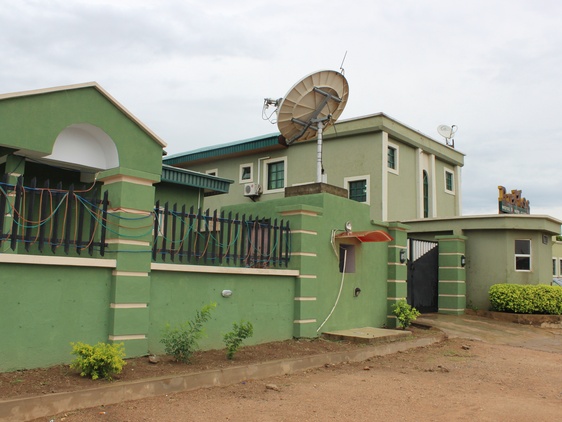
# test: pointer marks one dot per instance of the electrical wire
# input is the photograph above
(339, 293)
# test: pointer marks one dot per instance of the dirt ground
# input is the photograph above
(456, 379)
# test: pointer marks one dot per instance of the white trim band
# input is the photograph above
(129, 273)
(222, 270)
(128, 305)
(129, 337)
(304, 321)
(304, 232)
(57, 260)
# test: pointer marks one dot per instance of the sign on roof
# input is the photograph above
(512, 203)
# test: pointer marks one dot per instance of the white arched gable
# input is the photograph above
(85, 146)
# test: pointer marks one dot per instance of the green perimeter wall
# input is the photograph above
(312, 219)
(48, 306)
(265, 301)
(44, 308)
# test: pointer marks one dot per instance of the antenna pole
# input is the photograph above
(320, 126)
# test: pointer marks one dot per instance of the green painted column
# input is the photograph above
(397, 287)
(452, 274)
(129, 237)
(304, 221)
(15, 167)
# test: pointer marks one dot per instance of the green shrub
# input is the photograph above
(233, 340)
(526, 299)
(181, 341)
(405, 313)
(100, 360)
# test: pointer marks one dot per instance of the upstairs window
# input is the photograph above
(246, 173)
(425, 195)
(392, 158)
(357, 188)
(275, 175)
(449, 181)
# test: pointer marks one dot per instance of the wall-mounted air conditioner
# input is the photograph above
(252, 189)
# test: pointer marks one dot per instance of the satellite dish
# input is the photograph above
(318, 97)
(447, 132)
(312, 104)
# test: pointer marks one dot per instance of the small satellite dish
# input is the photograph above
(447, 132)
(318, 97)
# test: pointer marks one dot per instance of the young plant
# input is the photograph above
(233, 340)
(181, 341)
(102, 360)
(405, 313)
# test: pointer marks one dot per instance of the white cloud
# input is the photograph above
(197, 72)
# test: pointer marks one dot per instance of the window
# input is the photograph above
(347, 258)
(246, 173)
(425, 195)
(275, 175)
(449, 181)
(392, 158)
(522, 255)
(554, 266)
(212, 172)
(357, 188)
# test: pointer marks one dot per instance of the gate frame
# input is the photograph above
(411, 261)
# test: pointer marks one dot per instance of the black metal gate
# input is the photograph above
(423, 270)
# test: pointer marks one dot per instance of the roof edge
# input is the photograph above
(96, 86)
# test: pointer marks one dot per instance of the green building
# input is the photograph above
(398, 172)
(101, 240)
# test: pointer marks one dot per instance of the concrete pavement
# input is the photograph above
(495, 332)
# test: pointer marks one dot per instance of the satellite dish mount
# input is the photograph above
(310, 106)
(448, 132)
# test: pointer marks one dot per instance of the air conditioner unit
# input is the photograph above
(252, 189)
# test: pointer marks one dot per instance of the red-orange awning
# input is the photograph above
(366, 236)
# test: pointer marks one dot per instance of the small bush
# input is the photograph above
(405, 313)
(181, 341)
(233, 340)
(526, 299)
(102, 360)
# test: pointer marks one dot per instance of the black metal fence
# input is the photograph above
(49, 218)
(43, 218)
(201, 237)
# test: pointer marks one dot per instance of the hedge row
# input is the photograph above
(526, 299)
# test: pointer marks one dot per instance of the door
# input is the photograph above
(423, 270)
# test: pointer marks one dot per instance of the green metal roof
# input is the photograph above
(195, 179)
(264, 141)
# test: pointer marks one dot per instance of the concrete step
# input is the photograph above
(367, 335)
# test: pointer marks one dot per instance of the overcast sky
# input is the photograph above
(196, 72)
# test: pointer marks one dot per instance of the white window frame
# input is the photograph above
(396, 158)
(367, 178)
(241, 172)
(212, 172)
(529, 255)
(265, 174)
(555, 270)
(452, 172)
